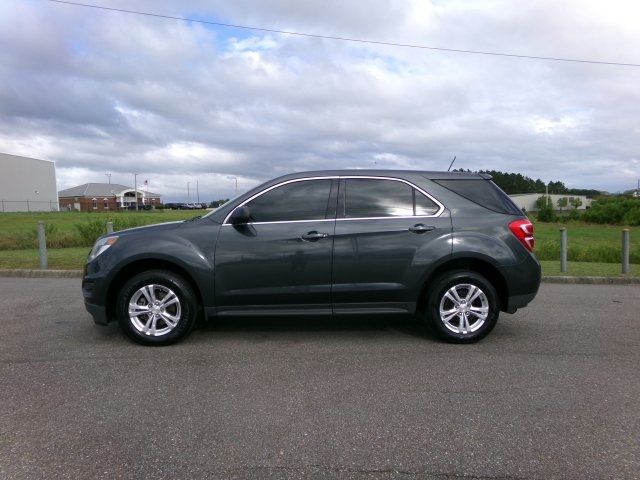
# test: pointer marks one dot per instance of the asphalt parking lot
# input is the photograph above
(553, 392)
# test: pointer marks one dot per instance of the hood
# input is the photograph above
(148, 228)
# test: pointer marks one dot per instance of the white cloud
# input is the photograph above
(104, 91)
(559, 125)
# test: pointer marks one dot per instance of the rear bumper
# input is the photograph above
(519, 301)
(523, 282)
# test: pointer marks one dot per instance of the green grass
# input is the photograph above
(13, 223)
(586, 242)
(18, 231)
(589, 269)
(58, 258)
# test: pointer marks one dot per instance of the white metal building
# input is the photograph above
(27, 184)
(528, 201)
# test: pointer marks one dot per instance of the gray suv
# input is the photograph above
(451, 247)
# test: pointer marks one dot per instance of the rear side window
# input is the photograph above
(483, 192)
(304, 200)
(366, 198)
(424, 205)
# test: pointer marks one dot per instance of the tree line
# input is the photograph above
(513, 183)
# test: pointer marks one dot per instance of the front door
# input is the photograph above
(280, 262)
(387, 233)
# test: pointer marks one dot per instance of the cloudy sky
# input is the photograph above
(101, 91)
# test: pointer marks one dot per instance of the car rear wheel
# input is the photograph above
(157, 307)
(462, 307)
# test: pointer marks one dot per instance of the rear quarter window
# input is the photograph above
(482, 192)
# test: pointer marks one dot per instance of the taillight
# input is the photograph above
(523, 230)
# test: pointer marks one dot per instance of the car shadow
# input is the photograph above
(336, 326)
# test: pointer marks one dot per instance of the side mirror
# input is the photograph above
(240, 215)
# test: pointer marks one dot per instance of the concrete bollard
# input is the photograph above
(563, 250)
(625, 250)
(109, 227)
(42, 246)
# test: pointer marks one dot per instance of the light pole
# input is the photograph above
(212, 197)
(548, 199)
(135, 188)
(108, 175)
(197, 192)
(188, 192)
(236, 179)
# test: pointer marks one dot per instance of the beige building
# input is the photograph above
(528, 201)
(27, 184)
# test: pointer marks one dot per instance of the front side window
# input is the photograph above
(303, 200)
(94, 203)
(366, 198)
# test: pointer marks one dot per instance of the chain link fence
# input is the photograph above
(7, 206)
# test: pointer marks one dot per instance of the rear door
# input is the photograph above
(280, 261)
(387, 234)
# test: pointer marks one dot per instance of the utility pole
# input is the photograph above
(188, 192)
(108, 175)
(135, 187)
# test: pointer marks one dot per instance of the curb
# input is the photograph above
(593, 280)
(20, 273)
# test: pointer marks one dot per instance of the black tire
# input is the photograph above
(460, 279)
(185, 310)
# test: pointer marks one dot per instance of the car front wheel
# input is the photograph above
(156, 307)
(462, 307)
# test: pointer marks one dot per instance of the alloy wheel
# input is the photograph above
(154, 310)
(464, 308)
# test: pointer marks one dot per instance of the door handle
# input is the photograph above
(314, 236)
(421, 228)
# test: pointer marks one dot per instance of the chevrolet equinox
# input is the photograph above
(450, 247)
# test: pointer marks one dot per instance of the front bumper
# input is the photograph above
(98, 312)
(94, 291)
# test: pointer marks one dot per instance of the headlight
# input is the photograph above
(100, 246)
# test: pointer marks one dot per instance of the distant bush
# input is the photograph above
(614, 211)
(545, 210)
(122, 223)
(632, 217)
(547, 250)
(91, 230)
(598, 252)
(573, 215)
